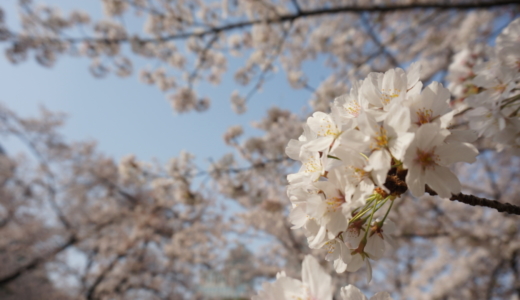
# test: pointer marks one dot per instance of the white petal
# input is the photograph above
(355, 140)
(429, 135)
(318, 281)
(340, 266)
(398, 118)
(355, 263)
(389, 226)
(298, 217)
(289, 288)
(380, 160)
(413, 75)
(345, 255)
(415, 179)
(338, 222)
(351, 292)
(318, 144)
(375, 247)
(416, 90)
(293, 149)
(443, 181)
(369, 270)
(315, 206)
(399, 145)
(317, 241)
(381, 296)
(464, 136)
(456, 152)
(370, 90)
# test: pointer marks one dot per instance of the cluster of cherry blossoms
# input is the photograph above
(387, 136)
(317, 284)
(488, 80)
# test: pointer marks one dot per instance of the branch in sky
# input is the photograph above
(303, 14)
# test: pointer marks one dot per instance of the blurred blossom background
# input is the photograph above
(143, 145)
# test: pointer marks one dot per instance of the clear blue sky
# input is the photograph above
(126, 116)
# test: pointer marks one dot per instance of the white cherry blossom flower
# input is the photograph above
(427, 159)
(379, 235)
(497, 81)
(312, 168)
(327, 206)
(387, 140)
(382, 89)
(349, 106)
(351, 292)
(315, 284)
(354, 177)
(508, 43)
(339, 253)
(432, 105)
(327, 127)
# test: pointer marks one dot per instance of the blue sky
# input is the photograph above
(126, 116)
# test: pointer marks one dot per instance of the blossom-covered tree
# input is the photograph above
(373, 160)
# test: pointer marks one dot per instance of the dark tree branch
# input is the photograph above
(477, 201)
(396, 183)
(304, 14)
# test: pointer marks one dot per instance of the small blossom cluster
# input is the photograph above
(491, 88)
(387, 136)
(315, 284)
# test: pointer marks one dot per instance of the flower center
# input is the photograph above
(311, 165)
(328, 129)
(356, 174)
(427, 159)
(424, 116)
(334, 203)
(389, 94)
(380, 140)
(500, 88)
(353, 108)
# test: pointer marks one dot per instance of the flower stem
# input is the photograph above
(370, 221)
(386, 215)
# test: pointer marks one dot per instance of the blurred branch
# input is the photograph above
(239, 170)
(50, 187)
(497, 194)
(90, 293)
(424, 235)
(377, 42)
(304, 14)
(37, 261)
(269, 64)
(297, 6)
(202, 60)
(493, 279)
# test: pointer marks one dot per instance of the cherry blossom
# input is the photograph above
(315, 284)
